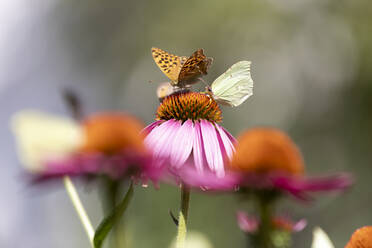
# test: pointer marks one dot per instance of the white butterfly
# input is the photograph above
(41, 136)
(234, 86)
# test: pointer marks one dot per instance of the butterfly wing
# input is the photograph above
(164, 90)
(169, 64)
(183, 60)
(235, 85)
(195, 66)
(42, 136)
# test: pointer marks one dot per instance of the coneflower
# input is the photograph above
(187, 136)
(267, 159)
(107, 144)
(270, 165)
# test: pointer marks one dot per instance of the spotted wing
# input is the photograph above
(183, 60)
(169, 64)
(195, 66)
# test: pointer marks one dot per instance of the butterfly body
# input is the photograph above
(166, 89)
(181, 70)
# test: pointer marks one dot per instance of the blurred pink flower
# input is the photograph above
(247, 223)
(250, 223)
(108, 144)
(136, 166)
(267, 158)
(302, 187)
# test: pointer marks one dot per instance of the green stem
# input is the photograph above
(111, 192)
(185, 201)
(182, 220)
(265, 205)
(83, 216)
(265, 228)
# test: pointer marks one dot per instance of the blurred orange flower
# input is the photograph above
(266, 158)
(111, 133)
(361, 238)
(266, 150)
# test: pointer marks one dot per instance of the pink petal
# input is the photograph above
(227, 144)
(182, 144)
(299, 225)
(208, 180)
(150, 127)
(162, 147)
(212, 148)
(328, 183)
(156, 140)
(198, 149)
(300, 186)
(231, 138)
(73, 166)
(248, 224)
(151, 138)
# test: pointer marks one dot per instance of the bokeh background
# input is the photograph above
(311, 63)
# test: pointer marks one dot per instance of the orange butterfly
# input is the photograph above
(181, 70)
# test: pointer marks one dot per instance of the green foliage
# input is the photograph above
(109, 222)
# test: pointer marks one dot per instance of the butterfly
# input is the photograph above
(166, 89)
(43, 136)
(234, 86)
(181, 70)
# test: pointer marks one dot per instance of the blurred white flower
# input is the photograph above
(42, 136)
(321, 239)
(194, 239)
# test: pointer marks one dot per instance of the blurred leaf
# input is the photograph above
(194, 239)
(108, 223)
(173, 217)
(181, 234)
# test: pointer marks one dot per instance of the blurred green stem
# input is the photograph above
(265, 206)
(265, 228)
(74, 197)
(185, 201)
(111, 192)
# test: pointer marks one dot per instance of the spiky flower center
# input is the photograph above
(189, 106)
